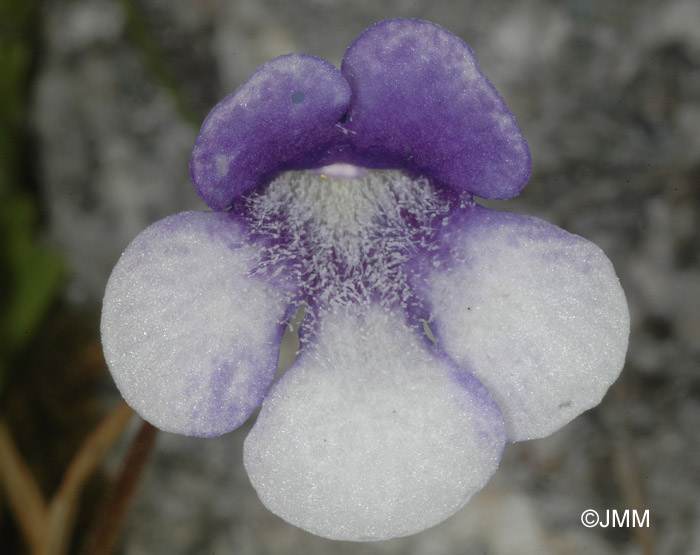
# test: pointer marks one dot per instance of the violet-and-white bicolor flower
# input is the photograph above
(351, 192)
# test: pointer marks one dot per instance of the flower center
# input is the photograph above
(346, 233)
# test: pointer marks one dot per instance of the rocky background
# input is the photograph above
(607, 93)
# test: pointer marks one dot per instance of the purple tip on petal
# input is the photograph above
(283, 117)
(419, 101)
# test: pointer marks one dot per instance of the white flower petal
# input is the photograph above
(190, 336)
(373, 433)
(536, 312)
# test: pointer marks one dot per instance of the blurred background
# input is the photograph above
(100, 103)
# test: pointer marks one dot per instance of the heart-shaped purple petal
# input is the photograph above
(283, 117)
(420, 102)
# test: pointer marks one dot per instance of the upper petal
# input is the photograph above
(373, 433)
(190, 335)
(283, 117)
(536, 312)
(419, 101)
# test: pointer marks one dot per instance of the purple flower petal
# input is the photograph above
(373, 433)
(190, 335)
(419, 101)
(536, 312)
(283, 117)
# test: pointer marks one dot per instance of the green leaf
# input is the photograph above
(33, 275)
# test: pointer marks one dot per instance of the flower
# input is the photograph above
(351, 193)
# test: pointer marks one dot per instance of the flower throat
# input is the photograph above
(346, 239)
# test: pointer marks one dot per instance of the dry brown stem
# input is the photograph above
(47, 530)
(106, 529)
(23, 495)
(64, 505)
